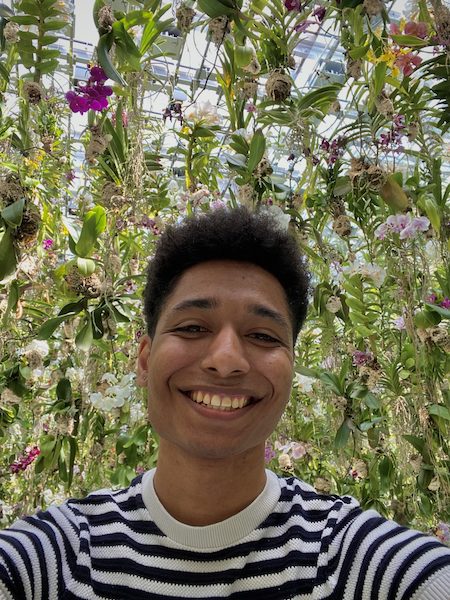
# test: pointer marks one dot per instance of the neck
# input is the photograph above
(199, 491)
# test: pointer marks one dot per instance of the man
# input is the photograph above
(226, 296)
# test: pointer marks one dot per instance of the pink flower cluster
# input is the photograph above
(419, 29)
(361, 358)
(47, 244)
(404, 225)
(91, 96)
(393, 139)
(407, 63)
(25, 460)
(293, 5)
(334, 149)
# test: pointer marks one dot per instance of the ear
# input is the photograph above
(145, 346)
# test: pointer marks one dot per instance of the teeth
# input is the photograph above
(218, 402)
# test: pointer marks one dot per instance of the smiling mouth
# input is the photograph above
(220, 401)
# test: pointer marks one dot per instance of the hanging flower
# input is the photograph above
(407, 62)
(362, 358)
(91, 96)
(47, 244)
(399, 323)
(418, 29)
(25, 460)
(404, 225)
(291, 5)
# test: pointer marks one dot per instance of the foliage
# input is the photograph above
(364, 189)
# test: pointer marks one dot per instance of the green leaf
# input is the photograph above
(386, 471)
(359, 51)
(94, 224)
(438, 410)
(8, 258)
(64, 390)
(202, 132)
(333, 382)
(103, 47)
(47, 328)
(379, 78)
(13, 213)
(427, 318)
(13, 298)
(47, 53)
(256, 151)
(235, 160)
(54, 25)
(47, 444)
(86, 266)
(444, 312)
(85, 336)
(48, 66)
(342, 186)
(409, 40)
(342, 435)
(417, 442)
(46, 40)
(25, 20)
(124, 41)
(216, 8)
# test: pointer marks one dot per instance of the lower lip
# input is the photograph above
(216, 413)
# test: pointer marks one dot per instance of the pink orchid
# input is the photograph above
(408, 63)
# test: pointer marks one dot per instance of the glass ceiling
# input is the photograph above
(189, 75)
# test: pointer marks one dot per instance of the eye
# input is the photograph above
(190, 329)
(264, 337)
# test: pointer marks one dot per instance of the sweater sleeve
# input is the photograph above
(436, 587)
(372, 557)
(38, 555)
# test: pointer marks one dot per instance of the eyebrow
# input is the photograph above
(260, 310)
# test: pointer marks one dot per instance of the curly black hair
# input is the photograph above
(227, 234)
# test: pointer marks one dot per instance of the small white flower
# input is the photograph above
(137, 413)
(96, 399)
(39, 346)
(303, 383)
(110, 378)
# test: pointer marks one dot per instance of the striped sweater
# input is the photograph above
(289, 543)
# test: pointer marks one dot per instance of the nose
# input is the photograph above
(225, 355)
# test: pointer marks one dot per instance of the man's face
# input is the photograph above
(224, 338)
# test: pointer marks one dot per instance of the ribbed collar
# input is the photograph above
(219, 535)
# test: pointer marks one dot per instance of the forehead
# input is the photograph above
(222, 280)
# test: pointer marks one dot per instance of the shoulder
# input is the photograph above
(297, 495)
(127, 500)
(359, 550)
(42, 551)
